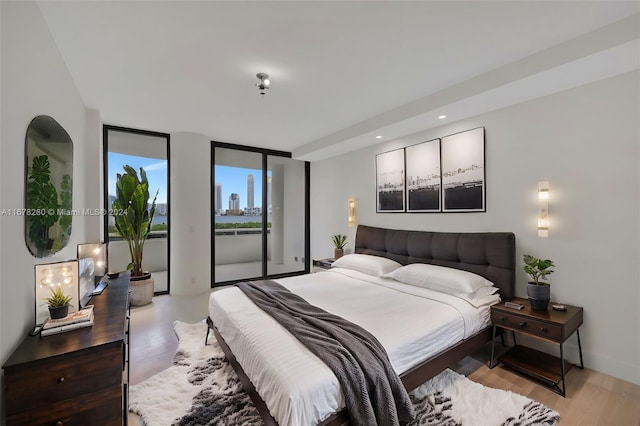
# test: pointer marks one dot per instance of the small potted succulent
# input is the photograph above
(58, 303)
(339, 241)
(539, 292)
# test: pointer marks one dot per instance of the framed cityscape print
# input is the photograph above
(423, 177)
(463, 172)
(390, 181)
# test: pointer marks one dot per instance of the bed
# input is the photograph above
(424, 331)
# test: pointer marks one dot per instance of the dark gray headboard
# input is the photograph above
(489, 254)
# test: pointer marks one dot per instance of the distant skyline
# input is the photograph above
(155, 169)
(234, 180)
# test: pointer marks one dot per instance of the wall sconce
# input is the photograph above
(352, 212)
(543, 209)
(263, 84)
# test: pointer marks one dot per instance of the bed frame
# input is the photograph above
(489, 254)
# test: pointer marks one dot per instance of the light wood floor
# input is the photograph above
(592, 398)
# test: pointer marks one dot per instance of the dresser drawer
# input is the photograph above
(56, 379)
(527, 325)
(103, 408)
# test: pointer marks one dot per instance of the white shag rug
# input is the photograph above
(202, 389)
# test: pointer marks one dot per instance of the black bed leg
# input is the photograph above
(209, 327)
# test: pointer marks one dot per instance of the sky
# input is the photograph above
(156, 173)
(234, 179)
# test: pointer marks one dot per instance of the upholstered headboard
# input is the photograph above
(489, 254)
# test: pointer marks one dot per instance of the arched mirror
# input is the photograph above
(48, 183)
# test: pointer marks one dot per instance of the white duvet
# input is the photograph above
(412, 324)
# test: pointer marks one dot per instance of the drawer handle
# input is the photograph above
(61, 379)
(504, 319)
(523, 324)
(543, 329)
(59, 423)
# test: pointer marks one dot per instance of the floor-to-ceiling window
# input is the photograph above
(150, 151)
(259, 214)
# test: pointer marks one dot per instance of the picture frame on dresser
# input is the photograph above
(92, 267)
(48, 276)
(463, 171)
(390, 184)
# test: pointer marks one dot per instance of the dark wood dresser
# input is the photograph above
(77, 377)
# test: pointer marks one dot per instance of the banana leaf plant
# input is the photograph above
(133, 214)
(42, 197)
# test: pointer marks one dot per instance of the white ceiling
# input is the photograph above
(342, 72)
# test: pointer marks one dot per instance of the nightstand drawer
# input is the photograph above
(53, 379)
(527, 325)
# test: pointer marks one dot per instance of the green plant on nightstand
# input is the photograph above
(339, 241)
(58, 303)
(539, 292)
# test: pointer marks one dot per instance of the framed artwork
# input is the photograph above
(390, 181)
(49, 276)
(424, 179)
(463, 172)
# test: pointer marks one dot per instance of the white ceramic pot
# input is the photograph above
(141, 289)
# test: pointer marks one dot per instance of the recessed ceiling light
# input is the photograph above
(442, 117)
(378, 137)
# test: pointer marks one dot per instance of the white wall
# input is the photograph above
(90, 176)
(586, 143)
(35, 81)
(190, 213)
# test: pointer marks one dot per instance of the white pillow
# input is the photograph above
(442, 279)
(483, 291)
(370, 265)
(488, 300)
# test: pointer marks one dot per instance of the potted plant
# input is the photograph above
(58, 303)
(539, 292)
(339, 241)
(42, 196)
(133, 215)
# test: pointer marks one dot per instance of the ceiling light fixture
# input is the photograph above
(442, 117)
(263, 84)
(378, 137)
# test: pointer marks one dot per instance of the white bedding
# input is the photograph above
(412, 324)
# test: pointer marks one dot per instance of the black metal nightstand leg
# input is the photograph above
(493, 345)
(581, 367)
(563, 391)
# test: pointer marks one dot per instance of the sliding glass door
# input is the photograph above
(286, 195)
(238, 215)
(259, 214)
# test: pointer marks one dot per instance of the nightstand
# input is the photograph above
(552, 326)
(322, 263)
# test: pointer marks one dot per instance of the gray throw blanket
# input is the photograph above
(373, 392)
